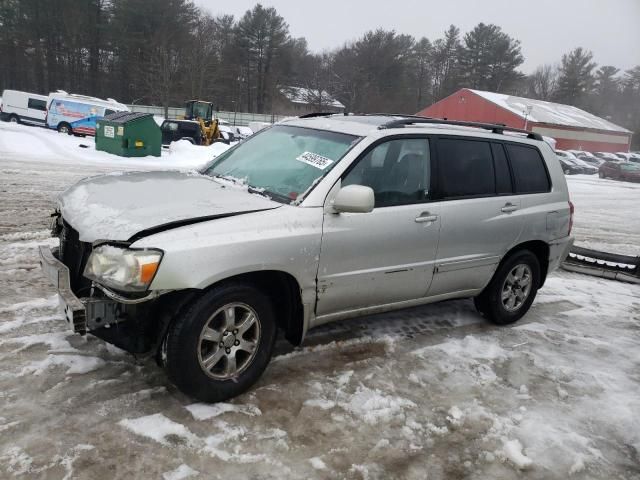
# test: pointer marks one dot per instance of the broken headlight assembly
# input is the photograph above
(123, 268)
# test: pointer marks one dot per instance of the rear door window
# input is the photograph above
(528, 167)
(465, 168)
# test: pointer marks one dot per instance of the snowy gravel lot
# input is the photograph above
(432, 392)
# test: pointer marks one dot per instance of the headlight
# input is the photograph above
(121, 268)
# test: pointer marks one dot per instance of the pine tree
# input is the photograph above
(489, 59)
(576, 77)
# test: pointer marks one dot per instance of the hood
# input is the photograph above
(119, 206)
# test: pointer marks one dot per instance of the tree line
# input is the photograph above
(166, 51)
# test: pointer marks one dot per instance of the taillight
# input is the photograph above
(571, 210)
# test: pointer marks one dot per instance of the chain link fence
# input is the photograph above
(234, 118)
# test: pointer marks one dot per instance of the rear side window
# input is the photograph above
(529, 172)
(465, 168)
(37, 104)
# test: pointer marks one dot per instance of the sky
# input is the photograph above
(545, 28)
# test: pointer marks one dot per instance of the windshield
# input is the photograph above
(283, 161)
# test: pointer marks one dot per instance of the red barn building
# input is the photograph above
(572, 128)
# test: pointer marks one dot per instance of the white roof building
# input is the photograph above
(308, 96)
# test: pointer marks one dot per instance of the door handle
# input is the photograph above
(509, 207)
(426, 217)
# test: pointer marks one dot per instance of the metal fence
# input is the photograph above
(234, 118)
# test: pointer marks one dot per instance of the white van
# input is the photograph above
(23, 107)
(72, 113)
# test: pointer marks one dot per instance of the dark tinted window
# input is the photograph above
(397, 171)
(501, 166)
(529, 172)
(465, 168)
(37, 104)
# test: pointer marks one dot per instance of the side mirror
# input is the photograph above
(354, 199)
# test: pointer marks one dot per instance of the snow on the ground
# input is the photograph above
(606, 213)
(29, 143)
(432, 392)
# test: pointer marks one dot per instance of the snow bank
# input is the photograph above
(27, 143)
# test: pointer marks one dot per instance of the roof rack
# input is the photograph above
(493, 127)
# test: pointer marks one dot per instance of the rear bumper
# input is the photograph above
(625, 268)
(58, 274)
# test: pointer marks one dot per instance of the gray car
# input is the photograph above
(310, 221)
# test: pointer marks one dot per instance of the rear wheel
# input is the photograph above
(65, 128)
(511, 290)
(14, 119)
(222, 344)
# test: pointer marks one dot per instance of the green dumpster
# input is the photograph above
(129, 134)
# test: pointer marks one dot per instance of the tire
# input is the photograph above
(14, 119)
(65, 128)
(490, 302)
(188, 348)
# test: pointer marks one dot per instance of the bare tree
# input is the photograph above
(543, 82)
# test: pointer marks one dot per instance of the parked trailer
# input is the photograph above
(23, 107)
(71, 113)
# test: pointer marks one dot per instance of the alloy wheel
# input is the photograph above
(516, 287)
(229, 341)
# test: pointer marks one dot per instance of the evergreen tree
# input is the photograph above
(489, 59)
(576, 78)
(262, 37)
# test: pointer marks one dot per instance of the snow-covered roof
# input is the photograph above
(310, 96)
(538, 111)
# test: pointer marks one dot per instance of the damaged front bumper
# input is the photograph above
(90, 313)
(58, 274)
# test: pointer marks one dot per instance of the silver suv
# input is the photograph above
(307, 222)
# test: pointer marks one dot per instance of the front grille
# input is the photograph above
(74, 254)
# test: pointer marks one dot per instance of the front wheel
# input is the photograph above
(14, 119)
(511, 290)
(221, 345)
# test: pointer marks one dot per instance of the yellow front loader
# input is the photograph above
(202, 112)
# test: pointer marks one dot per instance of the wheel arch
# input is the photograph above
(285, 292)
(540, 249)
(282, 287)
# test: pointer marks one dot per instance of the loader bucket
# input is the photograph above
(602, 264)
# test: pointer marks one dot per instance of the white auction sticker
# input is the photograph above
(315, 160)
